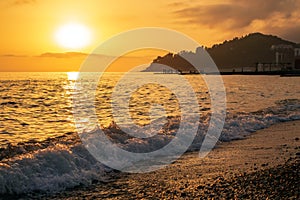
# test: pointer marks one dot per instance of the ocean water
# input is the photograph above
(40, 149)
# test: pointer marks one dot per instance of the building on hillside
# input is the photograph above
(286, 56)
(297, 58)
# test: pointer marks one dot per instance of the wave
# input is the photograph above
(62, 162)
(239, 125)
(52, 169)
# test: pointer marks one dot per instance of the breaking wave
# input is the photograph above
(62, 162)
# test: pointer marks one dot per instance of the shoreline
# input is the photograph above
(223, 173)
(264, 165)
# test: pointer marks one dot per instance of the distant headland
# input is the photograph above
(255, 53)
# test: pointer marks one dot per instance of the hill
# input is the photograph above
(236, 53)
(246, 51)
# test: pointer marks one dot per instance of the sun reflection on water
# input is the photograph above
(72, 76)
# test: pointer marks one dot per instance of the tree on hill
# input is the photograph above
(246, 51)
(240, 52)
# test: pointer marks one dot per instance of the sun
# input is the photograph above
(73, 36)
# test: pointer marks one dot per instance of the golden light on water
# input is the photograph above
(72, 76)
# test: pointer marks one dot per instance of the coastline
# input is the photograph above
(235, 169)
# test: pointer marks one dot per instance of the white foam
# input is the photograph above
(52, 169)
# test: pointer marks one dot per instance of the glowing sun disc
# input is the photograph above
(73, 36)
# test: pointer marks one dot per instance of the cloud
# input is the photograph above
(13, 56)
(293, 33)
(177, 4)
(63, 55)
(74, 55)
(22, 2)
(236, 14)
(287, 27)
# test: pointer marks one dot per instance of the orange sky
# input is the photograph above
(28, 26)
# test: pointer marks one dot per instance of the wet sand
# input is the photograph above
(264, 165)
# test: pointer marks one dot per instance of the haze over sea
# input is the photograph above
(40, 148)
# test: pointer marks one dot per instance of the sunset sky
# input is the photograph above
(29, 28)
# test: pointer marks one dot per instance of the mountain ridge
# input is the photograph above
(245, 51)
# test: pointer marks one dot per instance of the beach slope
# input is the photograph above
(264, 165)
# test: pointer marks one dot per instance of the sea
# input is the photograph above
(40, 139)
